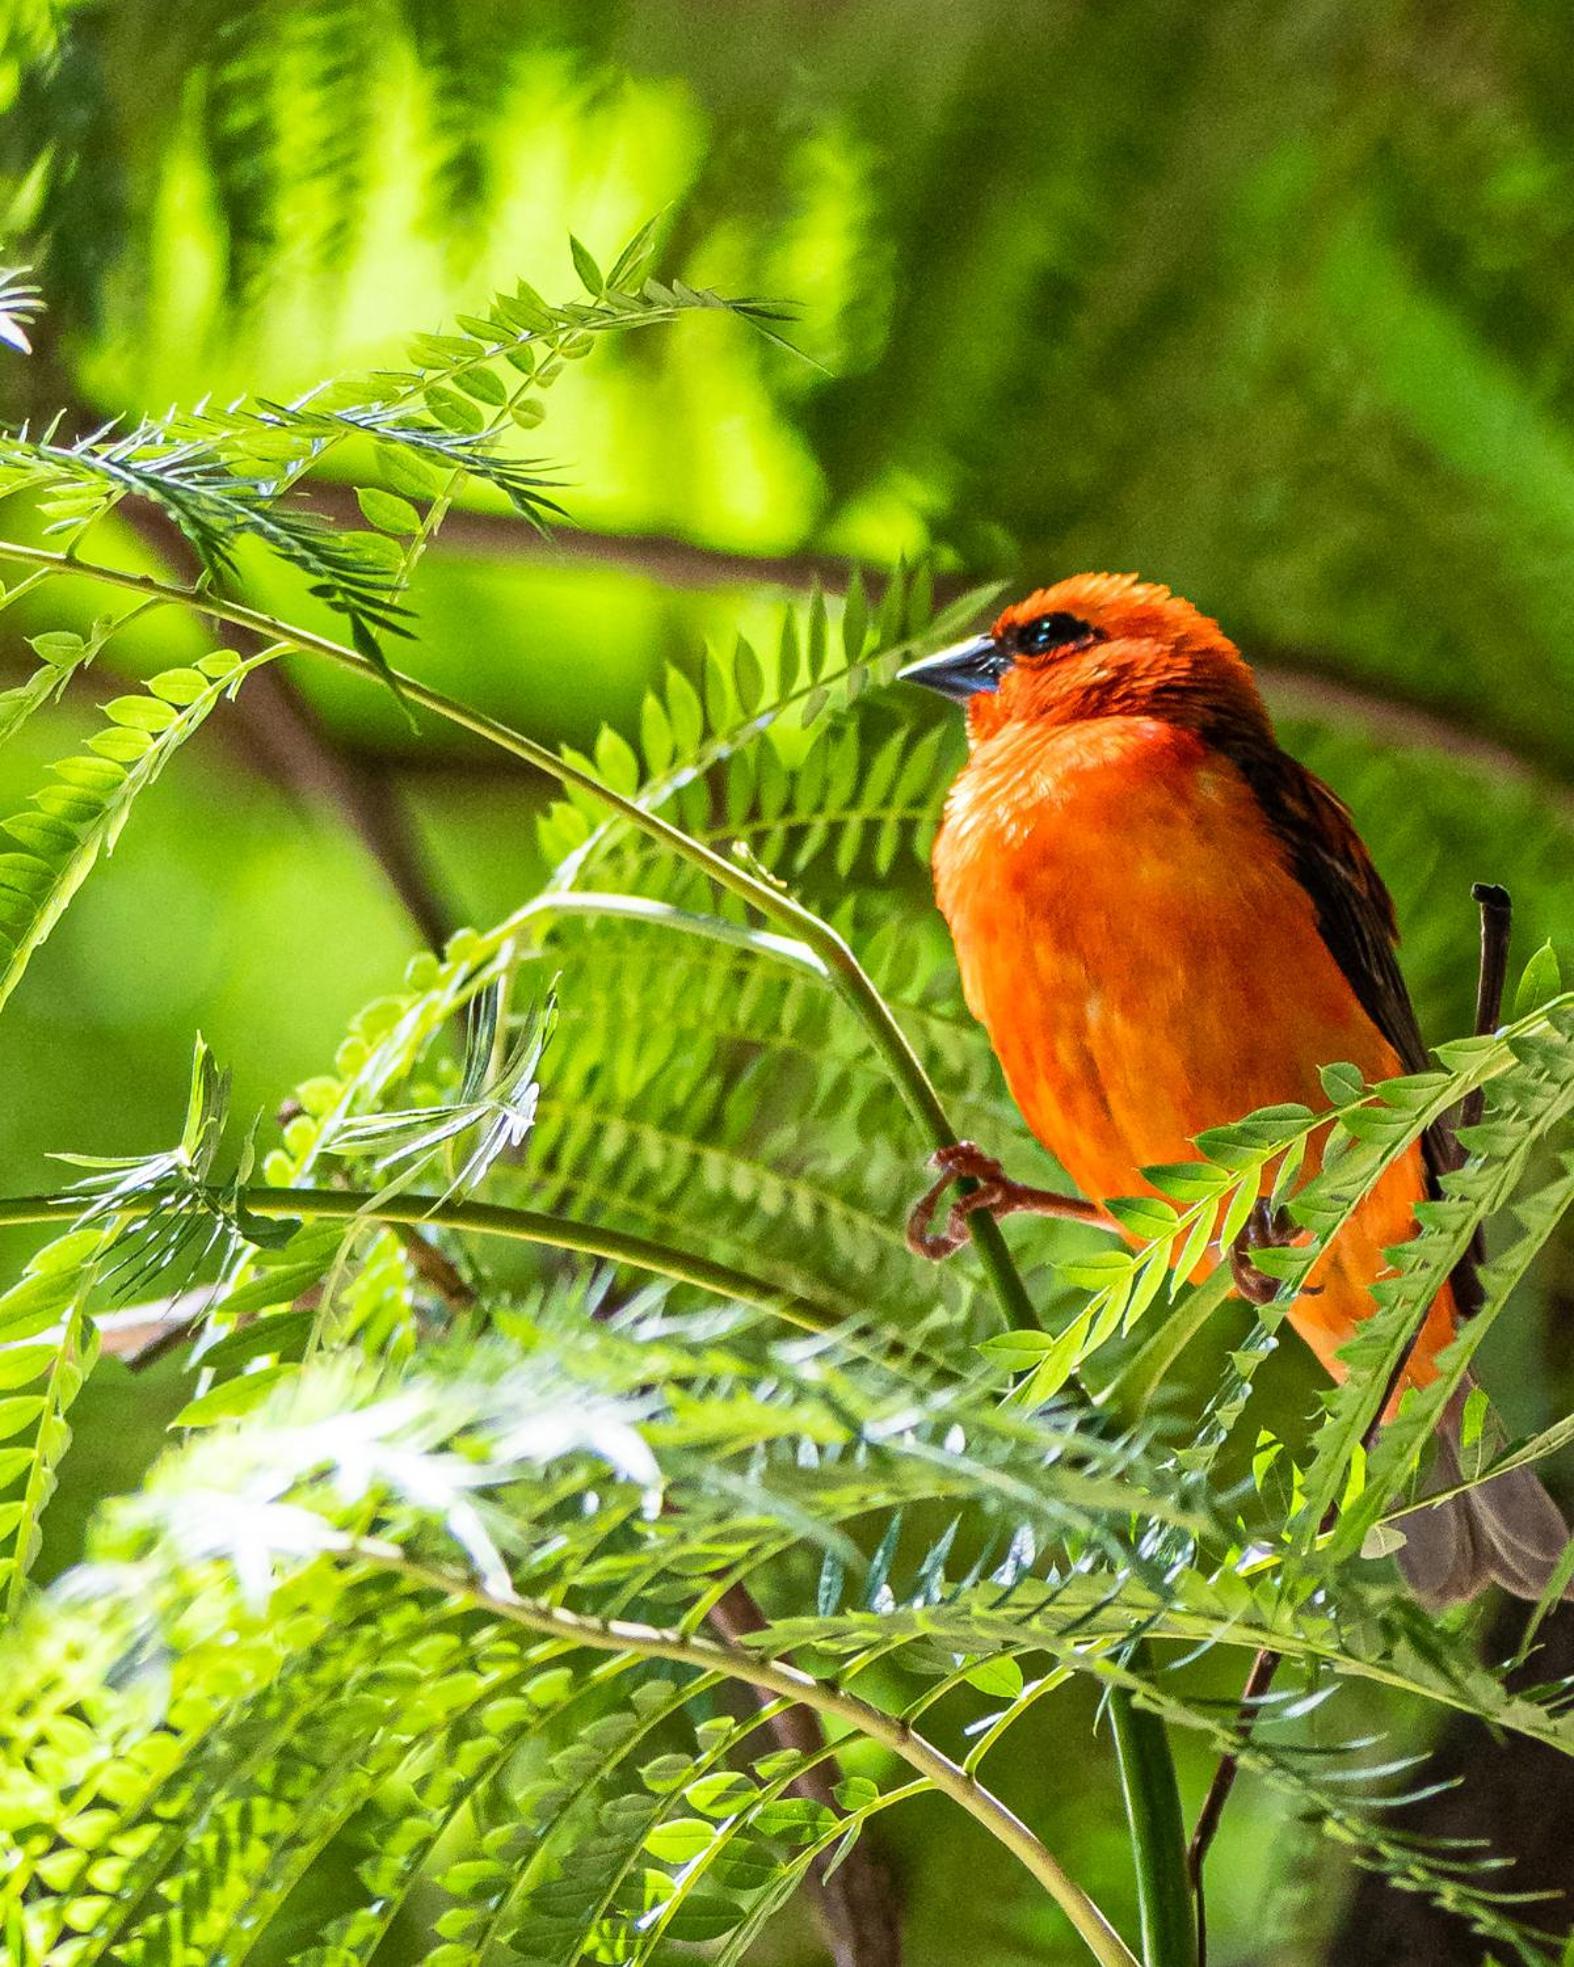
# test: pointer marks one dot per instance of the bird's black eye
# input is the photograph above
(1057, 631)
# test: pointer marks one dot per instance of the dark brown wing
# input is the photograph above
(1355, 911)
(1355, 914)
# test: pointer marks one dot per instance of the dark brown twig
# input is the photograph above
(856, 1905)
(1259, 1684)
(434, 1268)
(1496, 924)
(294, 749)
(140, 1335)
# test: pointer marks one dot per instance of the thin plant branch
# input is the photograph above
(777, 1677)
(1259, 1684)
(435, 1269)
(294, 747)
(142, 1333)
(486, 1219)
(1497, 929)
(1171, 1932)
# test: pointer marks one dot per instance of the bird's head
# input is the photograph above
(1095, 645)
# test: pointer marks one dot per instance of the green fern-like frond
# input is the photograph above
(224, 476)
(47, 1349)
(215, 505)
(336, 1542)
(71, 822)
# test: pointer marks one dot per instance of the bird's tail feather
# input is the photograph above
(1508, 1531)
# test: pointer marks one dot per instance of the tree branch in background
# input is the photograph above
(659, 557)
(293, 748)
(1298, 682)
(287, 742)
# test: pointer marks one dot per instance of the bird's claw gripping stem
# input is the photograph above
(996, 1195)
(962, 1161)
(1266, 1228)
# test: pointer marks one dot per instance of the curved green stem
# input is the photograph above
(736, 1662)
(489, 1219)
(1157, 1828)
(640, 908)
(774, 903)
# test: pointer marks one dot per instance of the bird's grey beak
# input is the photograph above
(966, 669)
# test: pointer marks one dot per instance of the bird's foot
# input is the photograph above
(996, 1195)
(961, 1161)
(967, 1161)
(1266, 1228)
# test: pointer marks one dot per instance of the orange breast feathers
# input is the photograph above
(1132, 936)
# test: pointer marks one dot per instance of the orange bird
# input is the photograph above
(1163, 921)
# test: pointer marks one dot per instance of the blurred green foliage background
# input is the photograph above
(1275, 305)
